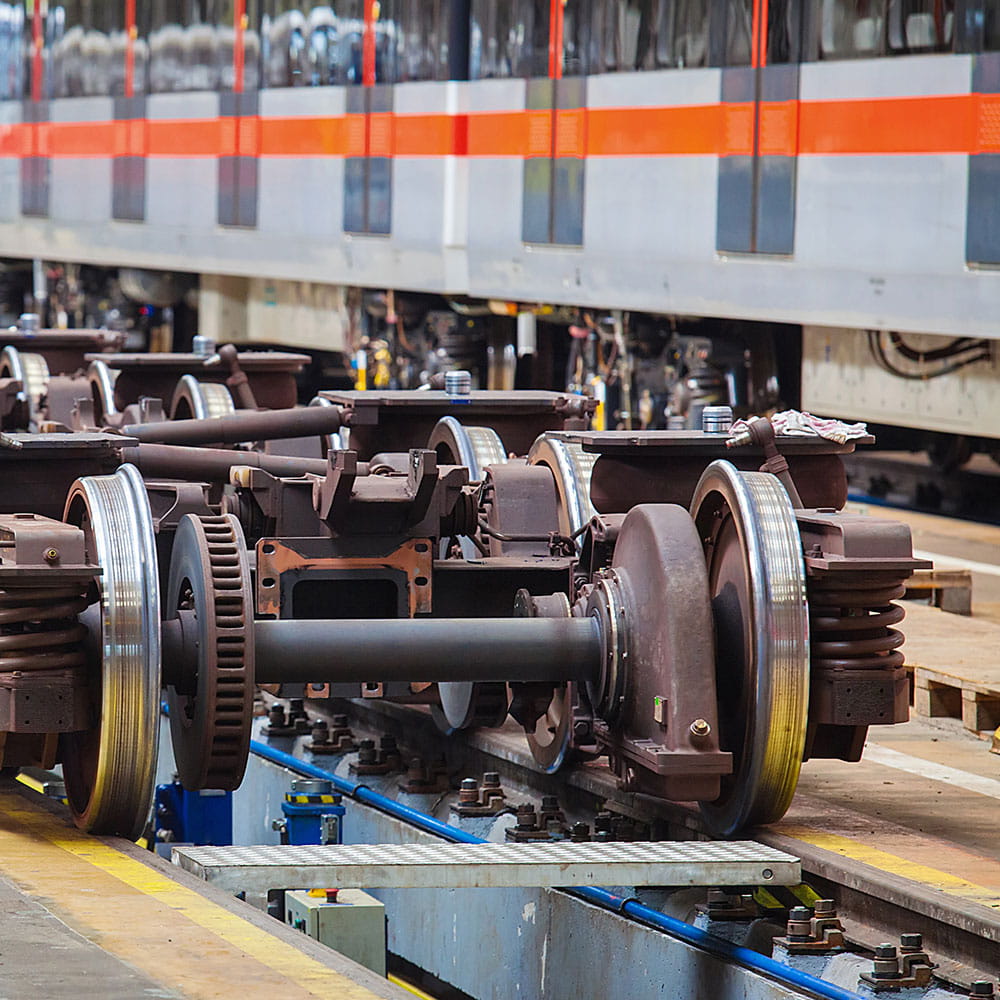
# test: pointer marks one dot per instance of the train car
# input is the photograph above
(765, 201)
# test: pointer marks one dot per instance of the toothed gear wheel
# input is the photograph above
(211, 713)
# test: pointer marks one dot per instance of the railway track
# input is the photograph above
(942, 884)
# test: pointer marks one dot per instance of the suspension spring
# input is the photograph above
(851, 619)
(39, 628)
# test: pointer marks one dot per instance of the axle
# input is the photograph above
(291, 651)
(245, 425)
(171, 461)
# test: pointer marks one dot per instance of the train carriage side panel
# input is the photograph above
(80, 181)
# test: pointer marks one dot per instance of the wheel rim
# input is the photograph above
(110, 769)
(757, 586)
(200, 400)
(571, 468)
(464, 704)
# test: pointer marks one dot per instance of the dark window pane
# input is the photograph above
(11, 51)
(182, 45)
(583, 22)
(920, 25)
(689, 41)
(783, 28)
(991, 25)
(851, 28)
(738, 31)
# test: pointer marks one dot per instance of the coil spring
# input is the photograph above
(851, 621)
(39, 629)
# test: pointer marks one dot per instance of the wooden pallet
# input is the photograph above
(955, 665)
(947, 589)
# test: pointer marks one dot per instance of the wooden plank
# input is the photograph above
(956, 651)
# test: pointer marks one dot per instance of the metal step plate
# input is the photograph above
(469, 866)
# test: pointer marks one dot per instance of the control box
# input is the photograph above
(347, 920)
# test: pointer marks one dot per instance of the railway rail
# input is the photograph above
(945, 887)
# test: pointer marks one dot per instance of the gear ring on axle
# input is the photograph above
(757, 585)
(110, 769)
(211, 711)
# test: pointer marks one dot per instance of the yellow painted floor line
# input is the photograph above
(151, 922)
(932, 878)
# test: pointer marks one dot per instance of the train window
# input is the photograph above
(583, 33)
(783, 31)
(509, 38)
(182, 46)
(688, 42)
(422, 40)
(630, 32)
(851, 28)
(11, 51)
(738, 25)
(87, 45)
(491, 34)
(920, 25)
(989, 28)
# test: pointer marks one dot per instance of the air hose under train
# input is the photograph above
(599, 897)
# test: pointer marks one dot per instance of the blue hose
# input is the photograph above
(599, 897)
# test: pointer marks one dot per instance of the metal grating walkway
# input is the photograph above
(470, 866)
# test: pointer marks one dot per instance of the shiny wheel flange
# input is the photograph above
(211, 705)
(110, 769)
(466, 704)
(200, 400)
(758, 591)
(473, 447)
(32, 371)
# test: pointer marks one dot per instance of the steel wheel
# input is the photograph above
(110, 769)
(102, 389)
(473, 447)
(757, 586)
(464, 704)
(200, 400)
(571, 467)
(32, 371)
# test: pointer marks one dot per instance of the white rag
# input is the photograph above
(794, 423)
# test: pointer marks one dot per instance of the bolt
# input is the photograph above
(886, 964)
(366, 752)
(982, 989)
(911, 942)
(51, 555)
(320, 732)
(700, 728)
(526, 818)
(276, 717)
(468, 792)
(825, 908)
(581, 730)
(799, 926)
(580, 833)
